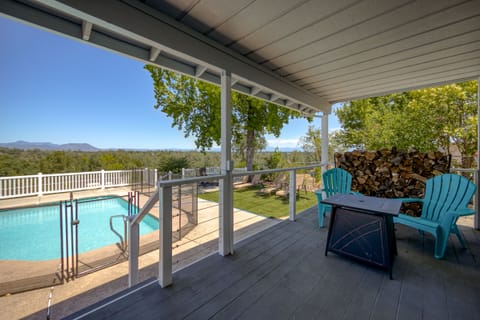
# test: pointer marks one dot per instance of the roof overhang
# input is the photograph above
(301, 54)
(130, 28)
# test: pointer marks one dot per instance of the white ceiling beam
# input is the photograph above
(290, 103)
(255, 90)
(154, 53)
(274, 97)
(199, 70)
(86, 30)
(178, 40)
(234, 81)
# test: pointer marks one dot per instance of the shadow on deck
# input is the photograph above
(282, 273)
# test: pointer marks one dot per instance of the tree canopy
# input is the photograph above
(15, 162)
(311, 144)
(194, 107)
(426, 119)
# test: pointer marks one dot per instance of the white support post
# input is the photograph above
(226, 167)
(103, 179)
(324, 132)
(292, 195)
(40, 184)
(133, 252)
(165, 246)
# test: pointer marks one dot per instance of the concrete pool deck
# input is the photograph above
(199, 242)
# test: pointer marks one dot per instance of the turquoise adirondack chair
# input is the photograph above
(446, 199)
(335, 181)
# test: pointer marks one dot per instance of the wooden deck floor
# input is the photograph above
(282, 273)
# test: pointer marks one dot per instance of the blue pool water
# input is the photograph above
(34, 233)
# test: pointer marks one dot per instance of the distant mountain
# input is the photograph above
(85, 147)
(25, 145)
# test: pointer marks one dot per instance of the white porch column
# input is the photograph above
(324, 132)
(225, 246)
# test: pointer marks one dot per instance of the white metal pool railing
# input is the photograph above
(11, 187)
(40, 184)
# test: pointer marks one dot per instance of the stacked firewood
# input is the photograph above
(390, 173)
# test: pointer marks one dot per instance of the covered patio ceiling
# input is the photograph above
(302, 54)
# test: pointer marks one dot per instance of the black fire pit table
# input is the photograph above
(362, 227)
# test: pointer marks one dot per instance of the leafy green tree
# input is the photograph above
(456, 116)
(275, 159)
(311, 144)
(11, 165)
(241, 148)
(174, 164)
(194, 107)
(426, 119)
(56, 162)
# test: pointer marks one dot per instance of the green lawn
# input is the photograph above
(268, 206)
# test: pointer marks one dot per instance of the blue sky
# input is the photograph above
(59, 90)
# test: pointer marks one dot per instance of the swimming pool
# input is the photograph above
(34, 233)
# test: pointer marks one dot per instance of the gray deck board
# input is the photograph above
(283, 273)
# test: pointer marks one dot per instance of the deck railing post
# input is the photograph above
(103, 179)
(165, 246)
(40, 184)
(133, 251)
(292, 194)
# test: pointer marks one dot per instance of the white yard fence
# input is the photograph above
(40, 184)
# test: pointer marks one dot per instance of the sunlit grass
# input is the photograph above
(269, 206)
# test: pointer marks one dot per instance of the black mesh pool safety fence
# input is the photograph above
(25, 275)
